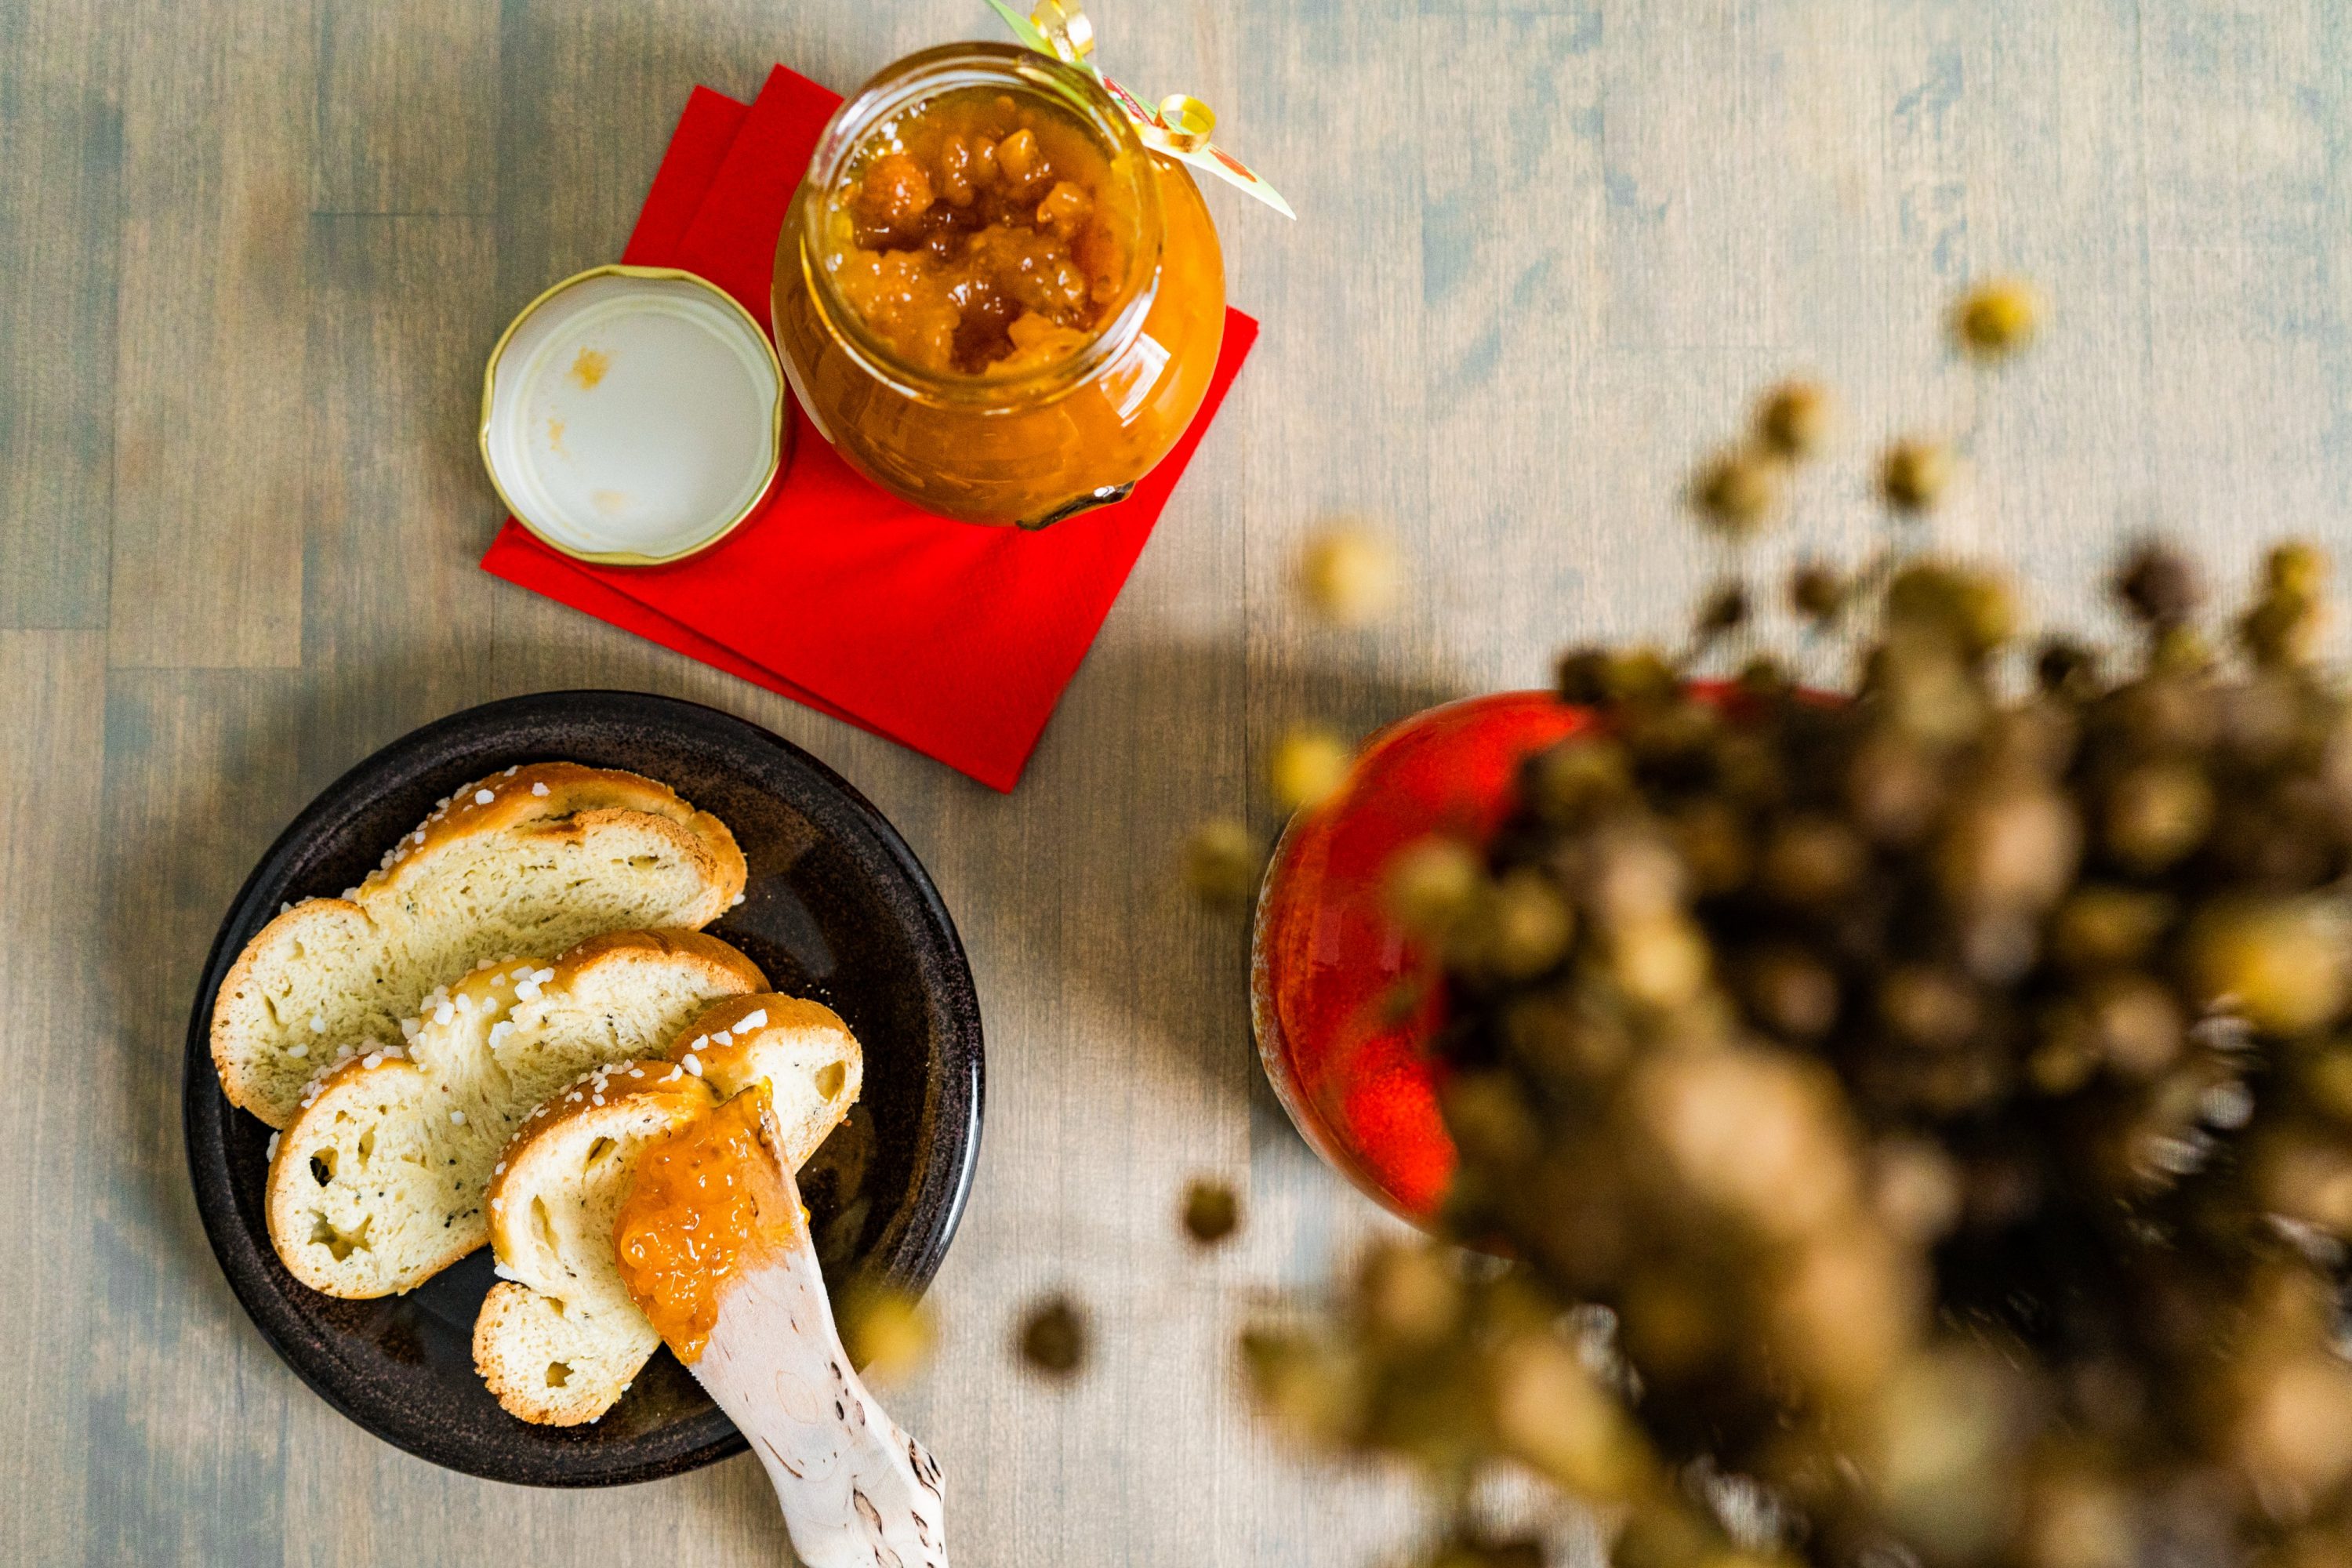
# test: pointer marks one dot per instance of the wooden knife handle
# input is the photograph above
(858, 1492)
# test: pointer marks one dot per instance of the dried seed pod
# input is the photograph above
(1350, 576)
(2293, 1431)
(2102, 927)
(1792, 992)
(1221, 862)
(2282, 628)
(1408, 1293)
(1893, 787)
(2279, 963)
(1725, 610)
(1305, 1384)
(1915, 1187)
(1433, 886)
(1972, 610)
(1930, 691)
(1489, 1117)
(1766, 678)
(2180, 650)
(1660, 963)
(1737, 491)
(1578, 678)
(1930, 1008)
(1794, 419)
(1053, 1337)
(1812, 860)
(886, 1331)
(1308, 764)
(2167, 712)
(1912, 475)
(1633, 879)
(1550, 1412)
(1819, 593)
(2066, 669)
(2296, 567)
(1996, 319)
(2067, 1059)
(1714, 845)
(1578, 780)
(1524, 928)
(1637, 675)
(2135, 1025)
(1212, 1212)
(2159, 586)
(2011, 848)
(2156, 813)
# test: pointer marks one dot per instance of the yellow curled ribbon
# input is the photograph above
(1180, 127)
(1186, 122)
(1070, 35)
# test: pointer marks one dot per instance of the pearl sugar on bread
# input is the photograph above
(529, 861)
(377, 1182)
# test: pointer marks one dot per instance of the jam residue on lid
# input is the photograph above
(706, 1203)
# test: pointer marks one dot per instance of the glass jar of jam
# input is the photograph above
(990, 298)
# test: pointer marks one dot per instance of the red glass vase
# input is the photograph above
(1344, 1003)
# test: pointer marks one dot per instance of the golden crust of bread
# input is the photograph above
(532, 808)
(577, 798)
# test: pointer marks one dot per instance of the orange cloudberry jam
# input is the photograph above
(978, 235)
(706, 1202)
(990, 297)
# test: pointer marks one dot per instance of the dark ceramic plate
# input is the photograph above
(837, 908)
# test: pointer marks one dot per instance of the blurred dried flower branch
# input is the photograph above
(1930, 1103)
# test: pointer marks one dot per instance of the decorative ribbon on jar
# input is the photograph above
(1180, 128)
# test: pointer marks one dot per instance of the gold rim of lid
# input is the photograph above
(776, 434)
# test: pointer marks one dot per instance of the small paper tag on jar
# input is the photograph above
(1179, 127)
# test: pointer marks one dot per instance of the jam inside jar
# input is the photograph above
(990, 297)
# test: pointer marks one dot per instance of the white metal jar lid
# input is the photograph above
(633, 415)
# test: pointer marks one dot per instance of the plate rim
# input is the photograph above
(205, 1108)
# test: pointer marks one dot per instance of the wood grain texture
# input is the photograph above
(60, 213)
(55, 996)
(1552, 250)
(190, 1413)
(218, 121)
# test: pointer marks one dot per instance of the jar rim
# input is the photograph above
(943, 69)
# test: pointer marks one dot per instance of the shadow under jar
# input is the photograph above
(990, 297)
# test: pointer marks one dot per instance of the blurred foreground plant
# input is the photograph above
(1929, 1106)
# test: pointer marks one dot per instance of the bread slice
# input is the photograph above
(560, 1339)
(529, 861)
(377, 1183)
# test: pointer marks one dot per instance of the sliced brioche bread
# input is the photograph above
(529, 861)
(560, 1339)
(377, 1182)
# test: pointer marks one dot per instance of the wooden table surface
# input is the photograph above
(252, 253)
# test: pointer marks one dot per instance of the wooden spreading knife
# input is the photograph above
(858, 1492)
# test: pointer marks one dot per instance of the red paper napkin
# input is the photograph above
(953, 639)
